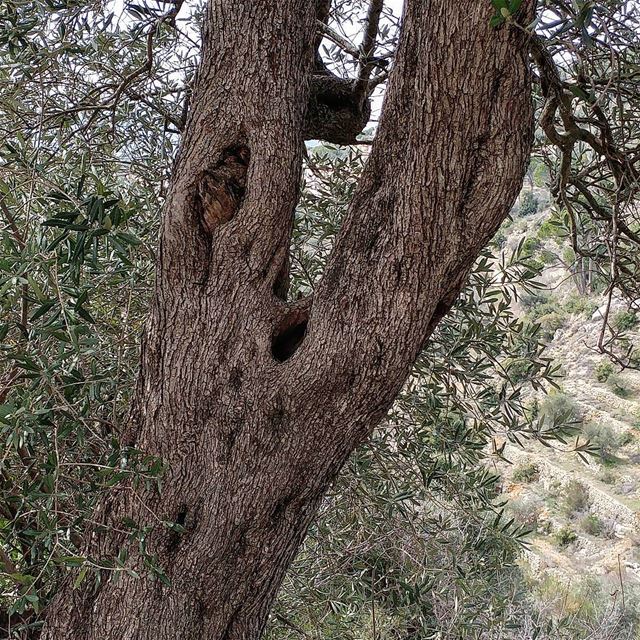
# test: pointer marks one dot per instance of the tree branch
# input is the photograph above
(367, 49)
(448, 161)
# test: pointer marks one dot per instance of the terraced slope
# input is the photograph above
(585, 515)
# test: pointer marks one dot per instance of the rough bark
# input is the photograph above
(254, 402)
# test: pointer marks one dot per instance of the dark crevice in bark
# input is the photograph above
(281, 284)
(290, 331)
(228, 631)
(278, 416)
(229, 441)
(479, 147)
(177, 534)
(182, 515)
(280, 509)
(221, 187)
(235, 378)
(277, 270)
(286, 342)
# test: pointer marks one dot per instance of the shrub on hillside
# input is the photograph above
(518, 369)
(603, 371)
(625, 320)
(608, 477)
(604, 438)
(584, 607)
(546, 311)
(551, 322)
(548, 257)
(526, 511)
(526, 472)
(540, 175)
(568, 255)
(558, 408)
(530, 246)
(564, 537)
(618, 385)
(528, 204)
(575, 498)
(580, 305)
(551, 230)
(535, 299)
(591, 524)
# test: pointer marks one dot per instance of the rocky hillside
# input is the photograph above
(584, 511)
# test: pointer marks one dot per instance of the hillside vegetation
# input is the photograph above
(583, 510)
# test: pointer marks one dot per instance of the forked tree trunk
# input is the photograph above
(255, 402)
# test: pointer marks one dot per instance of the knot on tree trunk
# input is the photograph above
(337, 112)
(220, 188)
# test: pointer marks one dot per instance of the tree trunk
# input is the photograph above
(254, 403)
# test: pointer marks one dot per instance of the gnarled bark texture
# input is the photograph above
(255, 402)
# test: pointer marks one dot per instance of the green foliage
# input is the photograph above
(591, 524)
(603, 371)
(544, 310)
(580, 305)
(616, 383)
(608, 476)
(575, 498)
(564, 537)
(605, 440)
(526, 511)
(526, 472)
(625, 320)
(547, 257)
(518, 369)
(551, 322)
(505, 9)
(558, 407)
(568, 255)
(80, 194)
(540, 173)
(530, 246)
(534, 300)
(552, 229)
(586, 608)
(528, 204)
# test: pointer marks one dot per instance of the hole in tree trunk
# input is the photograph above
(175, 536)
(286, 341)
(182, 516)
(290, 330)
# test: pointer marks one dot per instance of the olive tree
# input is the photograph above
(253, 401)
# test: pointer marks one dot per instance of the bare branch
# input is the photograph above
(368, 47)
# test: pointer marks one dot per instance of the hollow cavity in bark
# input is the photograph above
(289, 334)
(221, 187)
